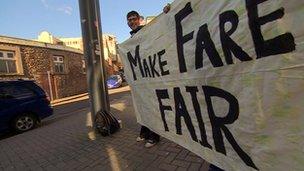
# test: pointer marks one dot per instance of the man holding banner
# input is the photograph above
(152, 138)
(225, 80)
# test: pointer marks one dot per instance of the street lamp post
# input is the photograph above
(94, 56)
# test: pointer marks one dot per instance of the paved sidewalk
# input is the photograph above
(67, 144)
(85, 96)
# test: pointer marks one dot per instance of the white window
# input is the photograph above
(58, 64)
(8, 62)
(83, 66)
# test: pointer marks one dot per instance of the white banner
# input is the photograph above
(224, 79)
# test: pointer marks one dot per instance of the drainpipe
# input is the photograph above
(50, 85)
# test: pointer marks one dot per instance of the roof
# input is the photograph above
(26, 42)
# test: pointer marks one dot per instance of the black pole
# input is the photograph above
(102, 58)
(94, 57)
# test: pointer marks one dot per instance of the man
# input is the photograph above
(152, 138)
(135, 22)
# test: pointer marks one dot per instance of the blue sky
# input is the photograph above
(26, 18)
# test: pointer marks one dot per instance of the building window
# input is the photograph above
(58, 64)
(83, 66)
(8, 62)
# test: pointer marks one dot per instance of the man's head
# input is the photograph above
(133, 19)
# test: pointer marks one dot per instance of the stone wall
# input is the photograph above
(36, 61)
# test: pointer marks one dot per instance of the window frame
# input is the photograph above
(18, 70)
(83, 66)
(59, 61)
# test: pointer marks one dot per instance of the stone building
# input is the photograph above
(58, 69)
(149, 19)
(112, 58)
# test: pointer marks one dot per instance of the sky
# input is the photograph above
(27, 18)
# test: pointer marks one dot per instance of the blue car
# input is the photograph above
(114, 81)
(23, 104)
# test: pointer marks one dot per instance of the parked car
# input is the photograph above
(23, 104)
(114, 81)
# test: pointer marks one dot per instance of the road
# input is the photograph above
(82, 104)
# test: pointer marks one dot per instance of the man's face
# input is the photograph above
(133, 22)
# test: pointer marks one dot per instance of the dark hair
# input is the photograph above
(132, 13)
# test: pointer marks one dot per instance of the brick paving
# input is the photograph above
(64, 144)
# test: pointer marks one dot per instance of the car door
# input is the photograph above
(4, 99)
(17, 99)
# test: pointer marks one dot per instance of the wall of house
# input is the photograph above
(112, 59)
(73, 42)
(38, 60)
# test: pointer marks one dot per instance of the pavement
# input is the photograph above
(66, 141)
(85, 96)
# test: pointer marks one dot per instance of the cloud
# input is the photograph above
(45, 4)
(66, 9)
(63, 8)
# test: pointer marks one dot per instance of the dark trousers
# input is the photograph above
(148, 134)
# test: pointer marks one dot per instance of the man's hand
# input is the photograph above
(166, 8)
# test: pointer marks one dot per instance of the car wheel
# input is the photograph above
(24, 123)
